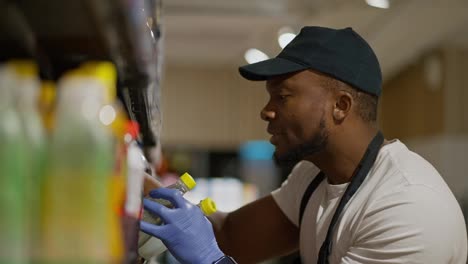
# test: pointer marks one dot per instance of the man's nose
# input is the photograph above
(267, 115)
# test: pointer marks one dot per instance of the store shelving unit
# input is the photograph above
(61, 34)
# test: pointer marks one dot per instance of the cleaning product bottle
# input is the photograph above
(207, 206)
(77, 214)
(154, 246)
(184, 184)
(136, 169)
(27, 93)
(12, 175)
(119, 184)
(136, 164)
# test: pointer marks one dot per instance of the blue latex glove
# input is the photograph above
(187, 233)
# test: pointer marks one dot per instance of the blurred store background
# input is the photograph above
(209, 111)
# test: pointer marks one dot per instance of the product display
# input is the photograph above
(72, 168)
(78, 119)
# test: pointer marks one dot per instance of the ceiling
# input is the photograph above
(218, 32)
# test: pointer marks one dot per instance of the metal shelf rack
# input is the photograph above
(61, 34)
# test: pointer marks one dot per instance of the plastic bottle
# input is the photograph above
(12, 175)
(136, 164)
(128, 224)
(184, 184)
(149, 246)
(78, 220)
(127, 183)
(27, 93)
(154, 246)
(136, 169)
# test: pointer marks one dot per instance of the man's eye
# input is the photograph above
(283, 96)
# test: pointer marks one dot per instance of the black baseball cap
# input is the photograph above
(339, 53)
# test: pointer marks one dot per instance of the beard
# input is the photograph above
(312, 146)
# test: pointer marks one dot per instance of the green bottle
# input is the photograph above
(12, 175)
(76, 200)
(26, 92)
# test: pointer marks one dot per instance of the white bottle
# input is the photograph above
(136, 164)
(149, 246)
(183, 184)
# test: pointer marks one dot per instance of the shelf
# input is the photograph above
(59, 35)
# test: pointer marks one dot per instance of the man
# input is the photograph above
(353, 197)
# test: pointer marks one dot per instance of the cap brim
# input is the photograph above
(267, 69)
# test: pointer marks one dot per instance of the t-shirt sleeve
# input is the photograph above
(405, 227)
(289, 195)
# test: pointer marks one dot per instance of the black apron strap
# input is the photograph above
(360, 175)
(305, 199)
(308, 193)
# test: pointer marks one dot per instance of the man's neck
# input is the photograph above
(342, 155)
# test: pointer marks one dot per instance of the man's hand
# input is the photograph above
(187, 233)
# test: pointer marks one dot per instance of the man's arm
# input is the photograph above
(255, 232)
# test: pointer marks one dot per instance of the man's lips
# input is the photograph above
(275, 136)
(272, 131)
(274, 139)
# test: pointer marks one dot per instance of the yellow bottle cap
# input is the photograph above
(188, 181)
(118, 126)
(208, 206)
(47, 95)
(106, 72)
(25, 68)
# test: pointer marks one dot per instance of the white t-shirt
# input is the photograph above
(403, 212)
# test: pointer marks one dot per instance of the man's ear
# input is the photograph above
(342, 107)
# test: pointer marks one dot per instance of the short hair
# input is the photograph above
(366, 103)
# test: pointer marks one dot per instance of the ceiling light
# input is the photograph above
(379, 3)
(285, 35)
(285, 38)
(255, 55)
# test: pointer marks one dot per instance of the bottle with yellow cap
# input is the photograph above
(27, 90)
(150, 246)
(154, 246)
(184, 184)
(12, 175)
(78, 223)
(208, 206)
